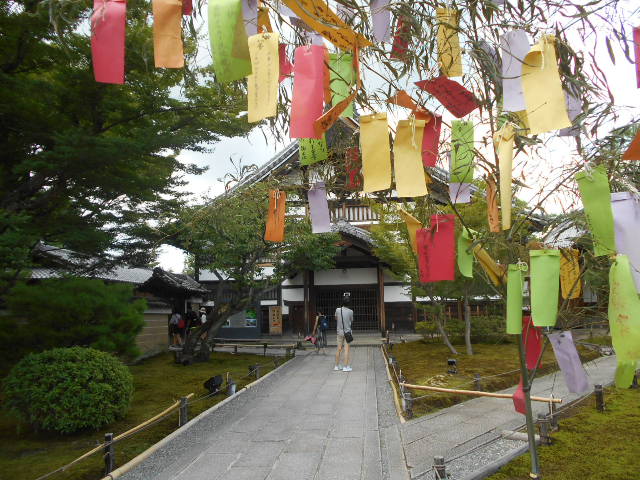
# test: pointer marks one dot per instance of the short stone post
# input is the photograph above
(634, 383)
(439, 468)
(553, 415)
(407, 401)
(183, 416)
(599, 392)
(264, 346)
(275, 362)
(257, 371)
(545, 429)
(235, 349)
(477, 385)
(231, 387)
(109, 454)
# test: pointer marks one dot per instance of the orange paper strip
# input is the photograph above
(274, 231)
(493, 216)
(167, 34)
(331, 116)
(633, 152)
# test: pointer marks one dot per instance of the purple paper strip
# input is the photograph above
(319, 208)
(250, 16)
(381, 16)
(316, 39)
(460, 192)
(567, 356)
(626, 221)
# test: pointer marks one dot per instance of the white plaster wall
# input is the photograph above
(297, 280)
(293, 294)
(396, 293)
(350, 276)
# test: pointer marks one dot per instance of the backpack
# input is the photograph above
(181, 323)
(324, 323)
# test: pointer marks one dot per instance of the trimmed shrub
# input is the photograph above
(69, 389)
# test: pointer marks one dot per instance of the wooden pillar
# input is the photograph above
(381, 312)
(305, 277)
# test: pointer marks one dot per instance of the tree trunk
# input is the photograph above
(445, 337)
(467, 324)
(194, 347)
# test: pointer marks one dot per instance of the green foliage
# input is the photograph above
(68, 312)
(86, 165)
(68, 389)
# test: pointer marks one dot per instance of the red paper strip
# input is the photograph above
(633, 152)
(308, 90)
(286, 67)
(532, 338)
(455, 98)
(436, 249)
(401, 38)
(518, 399)
(108, 24)
(353, 166)
(636, 43)
(431, 140)
(187, 7)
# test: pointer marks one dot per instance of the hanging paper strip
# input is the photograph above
(224, 20)
(353, 167)
(286, 67)
(503, 144)
(464, 253)
(108, 24)
(187, 7)
(318, 15)
(460, 192)
(381, 19)
(574, 108)
(167, 34)
(624, 312)
(495, 271)
(543, 94)
(636, 47)
(514, 47)
(319, 208)
(436, 249)
(569, 362)
(533, 339)
(545, 282)
(376, 152)
(262, 84)
(570, 285)
(461, 151)
(515, 283)
(264, 22)
(307, 102)
(250, 16)
(596, 198)
(453, 96)
(449, 55)
(633, 152)
(493, 215)
(519, 402)
(413, 225)
(431, 140)
(407, 159)
(401, 39)
(312, 150)
(626, 218)
(274, 231)
(342, 79)
(491, 52)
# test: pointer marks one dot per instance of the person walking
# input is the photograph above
(344, 319)
(174, 328)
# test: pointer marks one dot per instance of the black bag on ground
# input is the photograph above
(213, 384)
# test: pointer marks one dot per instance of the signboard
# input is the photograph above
(275, 320)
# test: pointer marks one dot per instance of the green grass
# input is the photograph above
(159, 382)
(425, 363)
(590, 445)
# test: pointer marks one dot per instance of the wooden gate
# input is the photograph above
(364, 303)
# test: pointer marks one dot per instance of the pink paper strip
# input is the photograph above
(453, 96)
(286, 67)
(308, 90)
(108, 23)
(636, 43)
(519, 402)
(430, 141)
(381, 19)
(319, 209)
(460, 192)
(187, 7)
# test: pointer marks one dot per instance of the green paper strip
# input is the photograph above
(624, 320)
(312, 150)
(224, 18)
(461, 151)
(342, 78)
(514, 300)
(465, 255)
(596, 198)
(545, 282)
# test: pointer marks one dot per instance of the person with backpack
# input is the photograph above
(174, 328)
(344, 319)
(320, 328)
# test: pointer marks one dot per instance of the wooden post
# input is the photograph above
(553, 416)
(257, 372)
(109, 454)
(381, 313)
(264, 345)
(407, 403)
(599, 392)
(476, 382)
(439, 468)
(545, 429)
(183, 416)
(307, 309)
(235, 349)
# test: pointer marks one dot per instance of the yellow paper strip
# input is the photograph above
(263, 83)
(167, 33)
(413, 225)
(318, 15)
(407, 159)
(503, 144)
(376, 152)
(493, 216)
(570, 273)
(546, 104)
(494, 271)
(449, 55)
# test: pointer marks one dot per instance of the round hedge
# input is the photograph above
(69, 389)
